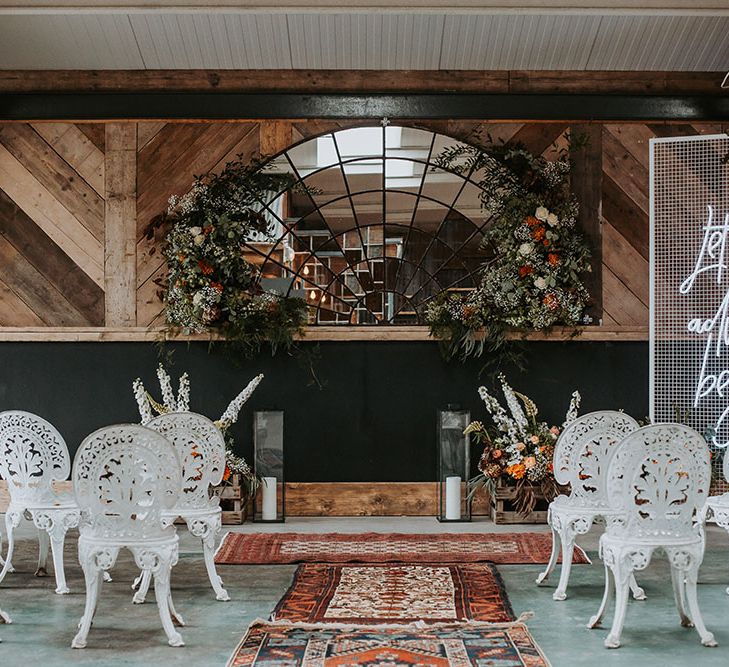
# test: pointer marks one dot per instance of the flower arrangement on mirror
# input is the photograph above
(518, 449)
(234, 465)
(536, 252)
(210, 286)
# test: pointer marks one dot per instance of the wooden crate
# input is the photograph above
(504, 512)
(232, 501)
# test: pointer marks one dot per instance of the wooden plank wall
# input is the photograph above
(77, 200)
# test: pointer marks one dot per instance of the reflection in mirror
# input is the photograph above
(371, 230)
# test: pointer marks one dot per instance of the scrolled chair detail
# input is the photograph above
(125, 477)
(658, 482)
(200, 447)
(33, 455)
(581, 458)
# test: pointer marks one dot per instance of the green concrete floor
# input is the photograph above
(126, 634)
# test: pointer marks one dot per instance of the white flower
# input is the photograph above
(541, 213)
(198, 298)
(231, 412)
(195, 231)
(526, 249)
(540, 283)
(552, 220)
(199, 240)
(165, 384)
(145, 409)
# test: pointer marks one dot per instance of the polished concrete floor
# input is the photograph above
(125, 634)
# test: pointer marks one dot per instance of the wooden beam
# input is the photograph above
(338, 81)
(120, 225)
(274, 137)
(587, 187)
(629, 332)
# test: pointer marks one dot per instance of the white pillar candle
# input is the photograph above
(268, 499)
(453, 498)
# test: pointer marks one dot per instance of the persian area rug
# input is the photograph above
(269, 644)
(282, 548)
(395, 593)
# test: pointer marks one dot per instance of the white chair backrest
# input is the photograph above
(124, 477)
(32, 456)
(200, 447)
(584, 450)
(659, 479)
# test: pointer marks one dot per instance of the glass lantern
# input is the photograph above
(268, 457)
(454, 465)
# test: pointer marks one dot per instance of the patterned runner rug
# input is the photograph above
(442, 645)
(279, 548)
(395, 593)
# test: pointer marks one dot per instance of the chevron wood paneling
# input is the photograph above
(51, 226)
(56, 178)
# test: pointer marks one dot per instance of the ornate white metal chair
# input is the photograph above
(124, 478)
(581, 458)
(717, 507)
(200, 447)
(658, 480)
(32, 456)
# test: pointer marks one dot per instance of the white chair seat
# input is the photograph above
(200, 447)
(658, 479)
(34, 456)
(581, 457)
(124, 477)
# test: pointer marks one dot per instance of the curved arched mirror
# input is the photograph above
(372, 228)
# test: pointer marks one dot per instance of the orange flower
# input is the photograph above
(517, 471)
(208, 229)
(217, 287)
(532, 221)
(530, 462)
(204, 267)
(468, 311)
(538, 233)
(497, 453)
(551, 301)
(226, 474)
(545, 243)
(553, 258)
(181, 258)
(525, 270)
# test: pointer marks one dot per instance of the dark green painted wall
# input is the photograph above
(373, 421)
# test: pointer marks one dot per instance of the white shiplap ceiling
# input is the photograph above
(433, 40)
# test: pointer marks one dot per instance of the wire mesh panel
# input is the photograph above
(690, 286)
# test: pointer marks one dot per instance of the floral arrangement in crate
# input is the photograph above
(537, 253)
(170, 402)
(210, 286)
(518, 448)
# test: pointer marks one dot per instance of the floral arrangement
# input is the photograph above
(537, 254)
(210, 286)
(518, 449)
(149, 407)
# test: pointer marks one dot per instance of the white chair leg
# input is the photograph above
(637, 591)
(707, 638)
(567, 537)
(176, 617)
(552, 558)
(11, 521)
(4, 618)
(679, 595)
(93, 577)
(144, 579)
(44, 544)
(621, 574)
(215, 580)
(595, 621)
(58, 537)
(162, 593)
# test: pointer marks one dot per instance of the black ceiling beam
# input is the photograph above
(230, 106)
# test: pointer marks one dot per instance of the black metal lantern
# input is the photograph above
(454, 463)
(268, 454)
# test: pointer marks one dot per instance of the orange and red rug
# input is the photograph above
(395, 593)
(280, 548)
(441, 645)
